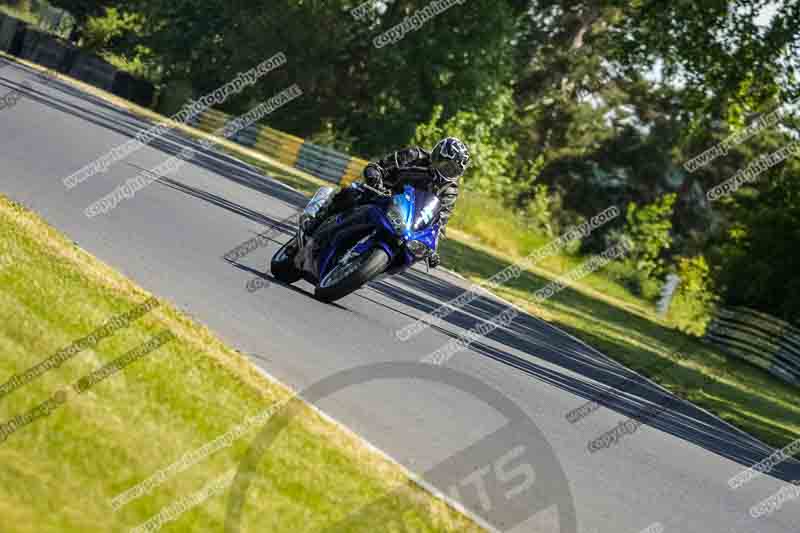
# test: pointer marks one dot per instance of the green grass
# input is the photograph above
(628, 332)
(487, 222)
(494, 224)
(60, 472)
(599, 309)
(484, 238)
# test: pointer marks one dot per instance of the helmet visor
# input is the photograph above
(449, 168)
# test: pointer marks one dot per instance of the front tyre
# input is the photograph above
(282, 265)
(349, 277)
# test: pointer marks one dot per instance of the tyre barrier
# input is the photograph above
(93, 70)
(19, 39)
(12, 32)
(131, 88)
(43, 49)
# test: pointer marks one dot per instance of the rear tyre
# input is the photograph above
(282, 265)
(340, 281)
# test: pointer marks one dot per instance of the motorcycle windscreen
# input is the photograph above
(428, 207)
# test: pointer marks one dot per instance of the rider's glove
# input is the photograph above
(434, 260)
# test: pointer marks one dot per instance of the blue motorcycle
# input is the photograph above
(387, 234)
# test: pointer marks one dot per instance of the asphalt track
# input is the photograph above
(170, 238)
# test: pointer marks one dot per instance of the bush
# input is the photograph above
(649, 228)
(539, 213)
(100, 33)
(110, 36)
(759, 262)
(647, 231)
(694, 298)
(637, 282)
(495, 224)
(174, 96)
(493, 156)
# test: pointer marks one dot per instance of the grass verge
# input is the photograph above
(60, 472)
(603, 313)
(596, 309)
(629, 332)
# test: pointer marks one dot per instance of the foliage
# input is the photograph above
(728, 62)
(492, 155)
(649, 228)
(639, 283)
(102, 31)
(569, 107)
(491, 221)
(84, 10)
(110, 35)
(759, 256)
(539, 211)
(647, 232)
(691, 306)
(329, 136)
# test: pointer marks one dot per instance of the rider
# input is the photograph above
(437, 171)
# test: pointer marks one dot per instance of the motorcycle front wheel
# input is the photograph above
(352, 275)
(282, 265)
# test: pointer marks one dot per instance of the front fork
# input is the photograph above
(304, 247)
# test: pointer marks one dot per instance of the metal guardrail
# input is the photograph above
(760, 339)
(319, 161)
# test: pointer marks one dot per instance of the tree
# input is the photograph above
(82, 10)
(649, 228)
(758, 258)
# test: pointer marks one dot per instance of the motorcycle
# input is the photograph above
(387, 235)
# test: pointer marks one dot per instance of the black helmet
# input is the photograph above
(450, 158)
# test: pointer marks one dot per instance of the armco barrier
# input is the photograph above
(322, 162)
(319, 161)
(760, 339)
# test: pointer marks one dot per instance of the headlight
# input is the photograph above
(418, 249)
(395, 217)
